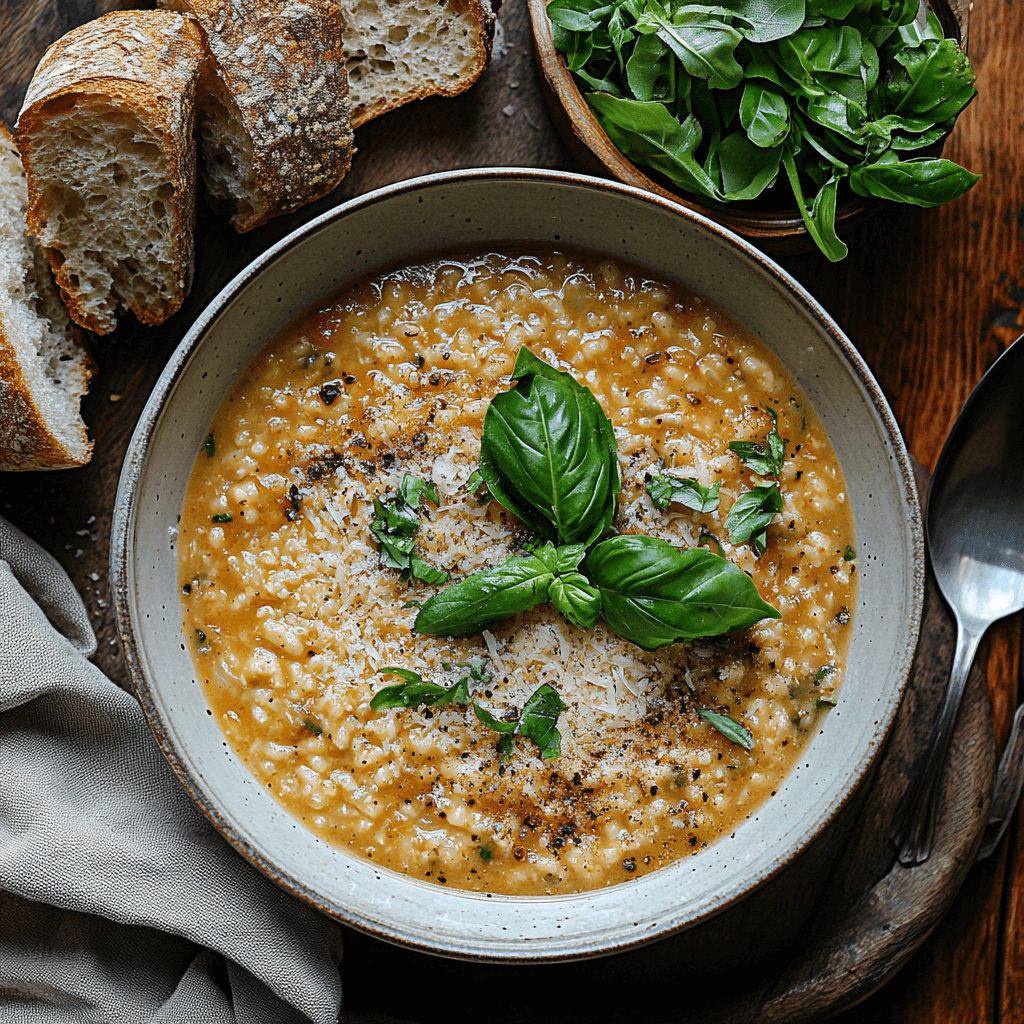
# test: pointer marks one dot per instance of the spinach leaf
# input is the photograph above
(579, 15)
(745, 169)
(934, 81)
(686, 492)
(487, 597)
(728, 728)
(764, 113)
(646, 66)
(768, 20)
(764, 459)
(573, 595)
(654, 594)
(751, 514)
(704, 43)
(548, 454)
(414, 692)
(921, 181)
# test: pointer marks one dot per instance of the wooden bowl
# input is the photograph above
(779, 232)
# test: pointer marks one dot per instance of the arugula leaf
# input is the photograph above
(764, 459)
(414, 692)
(703, 42)
(548, 454)
(764, 113)
(573, 595)
(487, 597)
(728, 728)
(751, 514)
(654, 594)
(684, 491)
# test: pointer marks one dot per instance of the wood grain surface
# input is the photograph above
(930, 297)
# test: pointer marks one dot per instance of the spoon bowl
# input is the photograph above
(974, 529)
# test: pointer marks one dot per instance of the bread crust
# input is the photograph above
(27, 440)
(484, 12)
(147, 64)
(282, 64)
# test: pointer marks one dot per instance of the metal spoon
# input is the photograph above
(975, 534)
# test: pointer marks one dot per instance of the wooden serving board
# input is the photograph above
(753, 964)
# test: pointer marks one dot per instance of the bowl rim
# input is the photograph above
(125, 510)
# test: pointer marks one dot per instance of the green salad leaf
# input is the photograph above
(733, 100)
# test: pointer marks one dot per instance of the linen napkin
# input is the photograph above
(119, 902)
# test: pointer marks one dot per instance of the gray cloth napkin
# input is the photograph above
(119, 902)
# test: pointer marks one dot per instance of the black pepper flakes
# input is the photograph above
(329, 391)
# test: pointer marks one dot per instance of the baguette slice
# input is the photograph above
(402, 50)
(44, 368)
(273, 104)
(106, 134)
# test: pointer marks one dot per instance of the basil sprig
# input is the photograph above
(764, 459)
(548, 454)
(547, 468)
(725, 100)
(654, 594)
(395, 526)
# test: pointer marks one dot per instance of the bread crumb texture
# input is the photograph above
(396, 52)
(44, 369)
(106, 134)
(273, 104)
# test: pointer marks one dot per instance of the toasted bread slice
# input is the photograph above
(402, 50)
(44, 368)
(273, 104)
(106, 135)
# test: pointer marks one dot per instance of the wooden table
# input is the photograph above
(929, 297)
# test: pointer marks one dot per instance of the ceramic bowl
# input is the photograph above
(780, 232)
(510, 207)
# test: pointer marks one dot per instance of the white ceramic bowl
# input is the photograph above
(465, 209)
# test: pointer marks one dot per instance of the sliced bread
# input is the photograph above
(44, 368)
(402, 50)
(106, 135)
(273, 104)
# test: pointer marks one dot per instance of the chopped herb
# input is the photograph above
(485, 854)
(209, 446)
(764, 459)
(823, 702)
(823, 672)
(730, 729)
(395, 526)
(414, 692)
(536, 722)
(683, 491)
(476, 486)
(294, 504)
(411, 604)
(751, 514)
(849, 554)
(311, 726)
(223, 517)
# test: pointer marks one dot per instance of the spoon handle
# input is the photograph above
(1006, 791)
(914, 829)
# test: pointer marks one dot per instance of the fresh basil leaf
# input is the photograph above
(485, 598)
(561, 559)
(507, 730)
(223, 517)
(728, 728)
(548, 454)
(751, 515)
(768, 20)
(922, 181)
(683, 491)
(573, 595)
(764, 114)
(414, 692)
(654, 594)
(412, 489)
(420, 570)
(764, 459)
(537, 721)
(849, 554)
(395, 529)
